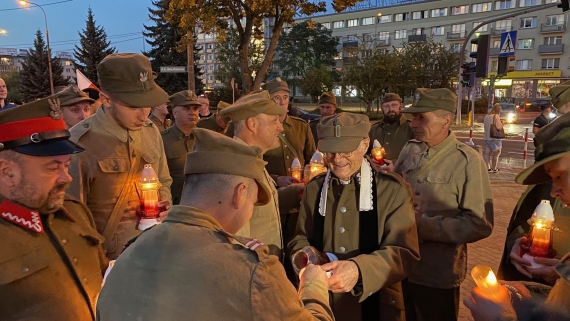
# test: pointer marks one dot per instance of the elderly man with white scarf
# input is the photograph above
(363, 220)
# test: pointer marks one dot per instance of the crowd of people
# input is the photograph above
(393, 234)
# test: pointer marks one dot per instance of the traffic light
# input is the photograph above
(564, 5)
(467, 74)
(504, 67)
(481, 55)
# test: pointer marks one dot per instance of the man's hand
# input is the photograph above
(547, 273)
(164, 205)
(132, 208)
(516, 259)
(523, 291)
(284, 181)
(313, 272)
(388, 166)
(484, 308)
(344, 275)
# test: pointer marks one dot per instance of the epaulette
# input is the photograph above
(79, 130)
(149, 123)
(254, 245)
(298, 119)
(467, 151)
(393, 176)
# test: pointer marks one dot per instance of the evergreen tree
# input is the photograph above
(34, 76)
(94, 47)
(164, 39)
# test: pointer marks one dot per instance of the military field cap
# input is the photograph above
(222, 105)
(212, 151)
(72, 95)
(342, 132)
(129, 78)
(327, 98)
(36, 129)
(252, 105)
(552, 142)
(184, 98)
(275, 85)
(426, 100)
(560, 94)
(390, 97)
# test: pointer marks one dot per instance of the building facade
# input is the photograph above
(11, 60)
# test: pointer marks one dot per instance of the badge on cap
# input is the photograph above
(336, 128)
(55, 107)
(76, 90)
(143, 76)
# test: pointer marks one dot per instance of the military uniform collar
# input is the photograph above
(450, 139)
(113, 128)
(153, 118)
(27, 218)
(179, 134)
(288, 120)
(192, 216)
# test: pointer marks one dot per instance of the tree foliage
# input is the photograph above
(164, 38)
(316, 81)
(34, 77)
(94, 47)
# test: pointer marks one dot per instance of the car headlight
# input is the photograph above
(510, 117)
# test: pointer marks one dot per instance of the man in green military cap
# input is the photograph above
(159, 116)
(75, 105)
(216, 123)
(296, 140)
(51, 259)
(194, 267)
(393, 131)
(453, 204)
(120, 140)
(327, 107)
(560, 97)
(178, 139)
(363, 220)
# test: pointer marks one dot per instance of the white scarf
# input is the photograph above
(365, 180)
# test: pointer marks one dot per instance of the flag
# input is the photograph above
(83, 82)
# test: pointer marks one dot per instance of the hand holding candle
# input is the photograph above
(150, 207)
(540, 236)
(378, 152)
(486, 280)
(296, 170)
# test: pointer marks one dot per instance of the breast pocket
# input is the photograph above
(151, 155)
(173, 154)
(436, 177)
(23, 266)
(114, 165)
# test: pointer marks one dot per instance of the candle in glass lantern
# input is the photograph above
(149, 187)
(378, 152)
(486, 281)
(296, 169)
(540, 236)
(317, 164)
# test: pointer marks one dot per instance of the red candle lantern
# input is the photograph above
(296, 169)
(540, 236)
(378, 152)
(149, 198)
(307, 255)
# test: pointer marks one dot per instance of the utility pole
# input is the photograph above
(491, 95)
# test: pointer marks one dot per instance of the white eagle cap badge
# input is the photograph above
(143, 77)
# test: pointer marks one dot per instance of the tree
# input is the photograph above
(12, 80)
(248, 17)
(94, 47)
(316, 81)
(164, 39)
(307, 46)
(35, 72)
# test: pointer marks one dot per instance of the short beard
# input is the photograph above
(26, 194)
(389, 119)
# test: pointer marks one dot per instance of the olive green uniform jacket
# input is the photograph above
(176, 146)
(454, 206)
(313, 124)
(381, 270)
(112, 163)
(211, 124)
(54, 275)
(160, 125)
(393, 137)
(188, 268)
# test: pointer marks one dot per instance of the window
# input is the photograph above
(327, 25)
(473, 47)
(481, 7)
(555, 20)
(552, 63)
(338, 56)
(525, 44)
(494, 65)
(528, 3)
(209, 46)
(210, 57)
(420, 14)
(524, 64)
(459, 29)
(68, 63)
(455, 47)
(552, 40)
(384, 35)
(352, 23)
(418, 31)
(210, 67)
(351, 38)
(496, 44)
(504, 4)
(460, 10)
(202, 57)
(482, 29)
(402, 16)
(67, 69)
(367, 37)
(438, 12)
(385, 19)
(338, 24)
(400, 34)
(550, 1)
(367, 21)
(438, 31)
(528, 22)
(503, 25)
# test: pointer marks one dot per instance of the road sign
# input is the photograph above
(173, 69)
(508, 40)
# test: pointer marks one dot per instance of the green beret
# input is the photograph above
(342, 132)
(426, 100)
(275, 85)
(212, 151)
(184, 98)
(327, 98)
(72, 95)
(252, 105)
(390, 97)
(552, 142)
(560, 94)
(129, 78)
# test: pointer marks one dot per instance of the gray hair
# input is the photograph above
(211, 188)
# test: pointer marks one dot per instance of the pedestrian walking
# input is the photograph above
(493, 145)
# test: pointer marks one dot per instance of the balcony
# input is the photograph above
(382, 42)
(416, 38)
(551, 49)
(350, 43)
(497, 32)
(348, 60)
(456, 35)
(544, 28)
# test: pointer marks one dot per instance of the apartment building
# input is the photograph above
(11, 60)
(541, 36)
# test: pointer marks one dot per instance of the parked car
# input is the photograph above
(509, 113)
(306, 116)
(537, 104)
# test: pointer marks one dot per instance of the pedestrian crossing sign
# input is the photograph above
(507, 47)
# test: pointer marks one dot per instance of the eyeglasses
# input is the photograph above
(331, 155)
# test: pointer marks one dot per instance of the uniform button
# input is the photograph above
(387, 143)
(417, 193)
(341, 229)
(86, 125)
(287, 157)
(85, 280)
(25, 270)
(439, 179)
(426, 156)
(74, 260)
(284, 145)
(389, 133)
(415, 204)
(64, 241)
(342, 249)
(343, 209)
(393, 303)
(115, 168)
(420, 180)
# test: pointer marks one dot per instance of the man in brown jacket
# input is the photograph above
(361, 218)
(158, 115)
(192, 267)
(453, 205)
(327, 107)
(51, 259)
(119, 140)
(216, 122)
(75, 105)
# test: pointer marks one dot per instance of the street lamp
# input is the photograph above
(25, 3)
(3, 32)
